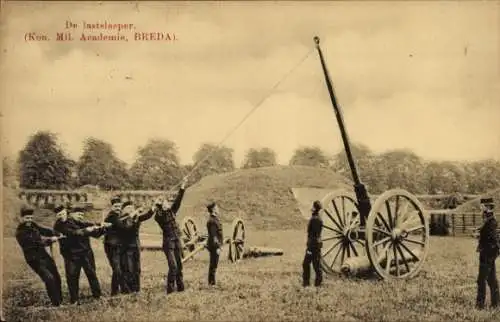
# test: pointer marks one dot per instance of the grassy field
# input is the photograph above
(263, 289)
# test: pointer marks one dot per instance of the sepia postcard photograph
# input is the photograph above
(249, 160)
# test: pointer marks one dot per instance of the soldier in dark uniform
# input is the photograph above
(30, 235)
(488, 249)
(165, 217)
(131, 259)
(314, 244)
(215, 240)
(114, 248)
(76, 250)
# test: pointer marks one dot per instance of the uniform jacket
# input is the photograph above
(488, 238)
(77, 239)
(130, 235)
(314, 232)
(115, 234)
(214, 228)
(29, 236)
(166, 219)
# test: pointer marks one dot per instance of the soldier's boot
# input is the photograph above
(180, 285)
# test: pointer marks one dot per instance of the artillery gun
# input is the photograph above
(194, 242)
(390, 237)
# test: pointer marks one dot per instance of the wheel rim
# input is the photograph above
(190, 233)
(340, 227)
(397, 235)
(237, 242)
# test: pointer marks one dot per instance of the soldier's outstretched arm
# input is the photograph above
(147, 215)
(45, 231)
(177, 202)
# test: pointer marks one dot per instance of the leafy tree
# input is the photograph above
(310, 156)
(482, 175)
(444, 177)
(212, 159)
(401, 168)
(157, 166)
(255, 158)
(43, 164)
(99, 165)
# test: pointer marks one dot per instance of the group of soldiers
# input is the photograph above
(121, 244)
(120, 229)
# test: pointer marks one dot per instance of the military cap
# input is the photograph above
(487, 201)
(115, 199)
(211, 206)
(317, 205)
(59, 208)
(127, 203)
(26, 211)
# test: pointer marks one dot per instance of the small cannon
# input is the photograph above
(391, 237)
(193, 242)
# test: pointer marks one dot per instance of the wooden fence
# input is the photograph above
(459, 223)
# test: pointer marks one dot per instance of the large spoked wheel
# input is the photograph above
(190, 234)
(397, 235)
(340, 231)
(237, 241)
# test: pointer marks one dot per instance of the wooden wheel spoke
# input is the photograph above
(330, 238)
(388, 261)
(348, 250)
(415, 229)
(332, 229)
(353, 249)
(384, 251)
(346, 222)
(332, 219)
(403, 258)
(382, 241)
(395, 258)
(414, 241)
(331, 248)
(396, 211)
(337, 255)
(361, 242)
(410, 252)
(404, 213)
(337, 212)
(389, 214)
(343, 255)
(381, 231)
(384, 222)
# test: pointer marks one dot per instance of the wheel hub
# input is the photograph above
(350, 234)
(398, 234)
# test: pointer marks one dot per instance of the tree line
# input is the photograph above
(43, 164)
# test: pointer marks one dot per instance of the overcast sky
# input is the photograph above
(421, 75)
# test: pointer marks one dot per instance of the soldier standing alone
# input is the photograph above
(29, 236)
(488, 249)
(314, 244)
(215, 239)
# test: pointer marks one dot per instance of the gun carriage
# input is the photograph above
(389, 237)
(194, 242)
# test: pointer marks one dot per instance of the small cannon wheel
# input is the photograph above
(397, 235)
(237, 241)
(340, 230)
(190, 233)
